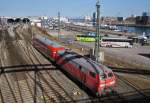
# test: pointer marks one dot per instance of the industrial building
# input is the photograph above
(144, 19)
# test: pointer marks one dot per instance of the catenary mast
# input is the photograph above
(97, 38)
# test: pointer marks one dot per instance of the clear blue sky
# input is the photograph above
(73, 8)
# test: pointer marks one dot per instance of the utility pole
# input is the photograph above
(58, 25)
(97, 38)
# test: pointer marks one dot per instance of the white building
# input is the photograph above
(62, 19)
(44, 17)
(87, 18)
(35, 22)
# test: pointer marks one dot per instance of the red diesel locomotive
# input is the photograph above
(47, 47)
(97, 77)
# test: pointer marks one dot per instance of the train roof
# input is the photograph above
(86, 63)
(47, 41)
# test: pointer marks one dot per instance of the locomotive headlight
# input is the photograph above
(113, 82)
(102, 85)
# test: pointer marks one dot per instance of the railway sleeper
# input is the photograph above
(49, 91)
(56, 90)
(25, 90)
(6, 92)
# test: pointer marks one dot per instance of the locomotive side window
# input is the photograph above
(78, 66)
(92, 74)
(83, 69)
(73, 63)
(110, 75)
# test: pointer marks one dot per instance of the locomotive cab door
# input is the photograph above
(92, 81)
(82, 74)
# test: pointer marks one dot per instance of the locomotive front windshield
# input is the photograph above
(103, 77)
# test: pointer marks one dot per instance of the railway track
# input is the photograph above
(28, 84)
(20, 78)
(12, 88)
(7, 94)
(50, 84)
(59, 87)
(39, 93)
(85, 29)
(34, 78)
(135, 87)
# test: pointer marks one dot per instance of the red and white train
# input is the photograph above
(97, 77)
